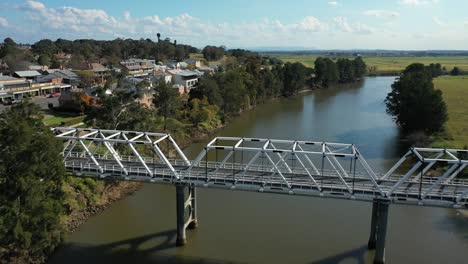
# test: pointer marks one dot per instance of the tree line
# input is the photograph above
(344, 70)
(110, 52)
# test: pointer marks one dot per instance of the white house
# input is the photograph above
(186, 78)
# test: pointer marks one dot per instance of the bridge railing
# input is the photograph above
(422, 174)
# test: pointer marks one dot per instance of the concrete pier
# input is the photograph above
(378, 231)
(185, 218)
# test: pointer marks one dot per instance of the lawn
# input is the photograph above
(56, 119)
(455, 92)
(387, 65)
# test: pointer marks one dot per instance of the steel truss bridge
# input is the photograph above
(423, 176)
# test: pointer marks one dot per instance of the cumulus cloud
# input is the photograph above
(416, 3)
(381, 13)
(356, 28)
(333, 3)
(42, 21)
(3, 22)
(309, 23)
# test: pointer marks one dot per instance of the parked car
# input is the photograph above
(54, 95)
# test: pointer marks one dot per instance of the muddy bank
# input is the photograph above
(112, 194)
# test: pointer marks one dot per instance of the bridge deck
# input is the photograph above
(260, 179)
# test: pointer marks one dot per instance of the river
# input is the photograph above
(243, 227)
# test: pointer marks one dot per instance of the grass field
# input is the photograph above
(386, 65)
(455, 92)
(56, 119)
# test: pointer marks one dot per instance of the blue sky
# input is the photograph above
(323, 24)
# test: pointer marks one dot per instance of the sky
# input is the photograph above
(319, 24)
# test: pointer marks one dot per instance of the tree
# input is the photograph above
(159, 37)
(326, 71)
(436, 69)
(294, 78)
(31, 178)
(212, 53)
(44, 60)
(86, 78)
(455, 71)
(44, 47)
(414, 103)
(167, 100)
(207, 87)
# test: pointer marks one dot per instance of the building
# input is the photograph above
(68, 77)
(139, 67)
(18, 88)
(158, 75)
(188, 79)
(28, 75)
(193, 62)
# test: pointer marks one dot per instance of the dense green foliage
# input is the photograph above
(343, 71)
(167, 100)
(251, 82)
(31, 177)
(213, 53)
(436, 69)
(455, 71)
(414, 103)
(110, 52)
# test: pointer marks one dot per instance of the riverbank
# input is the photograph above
(111, 195)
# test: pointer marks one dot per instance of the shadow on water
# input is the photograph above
(356, 256)
(454, 221)
(145, 249)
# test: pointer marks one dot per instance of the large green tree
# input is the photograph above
(31, 177)
(167, 100)
(414, 103)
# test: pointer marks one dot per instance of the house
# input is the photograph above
(29, 75)
(68, 77)
(139, 67)
(186, 78)
(98, 68)
(173, 65)
(193, 62)
(158, 75)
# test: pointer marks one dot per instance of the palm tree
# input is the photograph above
(159, 37)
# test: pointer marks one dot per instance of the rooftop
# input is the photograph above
(27, 73)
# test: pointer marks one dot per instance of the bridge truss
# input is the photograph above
(431, 177)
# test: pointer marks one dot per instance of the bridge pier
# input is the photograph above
(378, 231)
(186, 211)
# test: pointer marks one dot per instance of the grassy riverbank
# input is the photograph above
(455, 93)
(385, 65)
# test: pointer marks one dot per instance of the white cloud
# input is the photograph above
(381, 13)
(438, 21)
(35, 20)
(333, 3)
(356, 28)
(3, 22)
(416, 3)
(309, 23)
